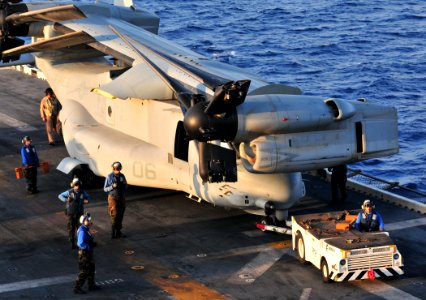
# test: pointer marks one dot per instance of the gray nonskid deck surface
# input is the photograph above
(176, 248)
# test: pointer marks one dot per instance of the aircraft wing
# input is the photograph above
(182, 64)
(81, 25)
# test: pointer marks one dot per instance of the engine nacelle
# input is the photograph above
(342, 132)
(279, 114)
(297, 152)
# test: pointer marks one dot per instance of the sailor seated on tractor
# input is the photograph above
(369, 219)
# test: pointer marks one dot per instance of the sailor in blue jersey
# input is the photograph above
(75, 198)
(30, 164)
(86, 262)
(115, 185)
(369, 219)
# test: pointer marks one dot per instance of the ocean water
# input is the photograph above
(336, 48)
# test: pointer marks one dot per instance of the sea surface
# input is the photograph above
(334, 48)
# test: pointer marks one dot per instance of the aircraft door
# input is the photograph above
(180, 159)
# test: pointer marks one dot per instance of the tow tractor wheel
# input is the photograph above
(300, 248)
(324, 271)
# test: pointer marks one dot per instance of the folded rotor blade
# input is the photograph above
(182, 94)
(55, 43)
(51, 14)
(209, 80)
(228, 96)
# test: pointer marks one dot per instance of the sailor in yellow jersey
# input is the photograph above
(49, 110)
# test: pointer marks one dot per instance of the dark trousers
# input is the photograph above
(72, 226)
(338, 185)
(31, 177)
(116, 208)
(86, 264)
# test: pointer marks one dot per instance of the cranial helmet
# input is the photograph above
(26, 138)
(85, 217)
(75, 181)
(48, 91)
(116, 166)
(367, 202)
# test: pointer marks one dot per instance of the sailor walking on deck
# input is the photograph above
(75, 198)
(30, 163)
(86, 262)
(49, 110)
(115, 185)
(369, 219)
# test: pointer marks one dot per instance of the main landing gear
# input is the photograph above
(87, 177)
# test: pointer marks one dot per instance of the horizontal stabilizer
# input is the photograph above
(51, 14)
(26, 59)
(55, 43)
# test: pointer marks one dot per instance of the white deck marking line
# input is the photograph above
(257, 266)
(29, 284)
(14, 123)
(405, 224)
(305, 294)
(384, 290)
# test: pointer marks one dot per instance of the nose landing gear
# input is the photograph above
(275, 220)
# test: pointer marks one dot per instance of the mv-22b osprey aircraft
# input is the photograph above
(177, 120)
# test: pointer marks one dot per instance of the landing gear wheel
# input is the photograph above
(77, 172)
(300, 244)
(88, 176)
(264, 222)
(89, 179)
(324, 271)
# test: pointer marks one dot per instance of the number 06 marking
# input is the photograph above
(142, 170)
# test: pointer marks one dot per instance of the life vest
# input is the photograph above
(75, 205)
(87, 240)
(120, 180)
(371, 224)
(30, 154)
